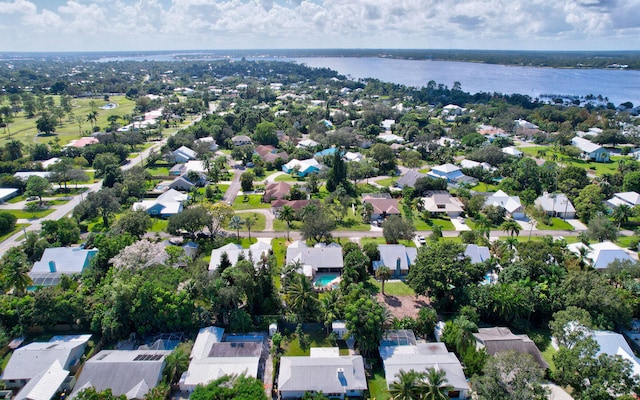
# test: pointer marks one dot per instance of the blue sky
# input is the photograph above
(112, 25)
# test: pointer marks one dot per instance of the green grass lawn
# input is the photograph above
(396, 288)
(556, 224)
(381, 240)
(24, 129)
(485, 187)
(387, 181)
(378, 384)
(244, 242)
(625, 240)
(281, 226)
(547, 354)
(352, 222)
(159, 171)
(249, 202)
(291, 346)
(279, 246)
(22, 214)
(594, 167)
(261, 221)
(287, 178)
(13, 232)
(159, 225)
(265, 175)
(422, 225)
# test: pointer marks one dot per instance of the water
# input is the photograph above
(324, 280)
(618, 85)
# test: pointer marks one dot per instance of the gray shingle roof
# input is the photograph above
(326, 374)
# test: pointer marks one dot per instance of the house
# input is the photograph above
(614, 344)
(83, 142)
(44, 365)
(452, 173)
(307, 144)
(213, 146)
(213, 355)
(126, 372)
(409, 179)
(269, 153)
(167, 204)
(441, 202)
(23, 176)
(45, 385)
(397, 257)
(387, 124)
(58, 261)
(302, 168)
(276, 191)
(326, 152)
(234, 252)
(499, 339)
(512, 151)
(326, 371)
(297, 205)
(511, 204)
(630, 199)
(181, 183)
(350, 156)
(340, 329)
(241, 140)
(382, 207)
(590, 150)
(317, 259)
(182, 154)
(390, 138)
(7, 194)
(556, 205)
(470, 164)
(477, 254)
(600, 255)
(400, 352)
(177, 170)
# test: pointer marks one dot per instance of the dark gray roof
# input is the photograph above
(236, 349)
(500, 339)
(410, 178)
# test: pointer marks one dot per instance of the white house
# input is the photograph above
(241, 140)
(442, 202)
(7, 194)
(512, 151)
(590, 150)
(600, 255)
(58, 261)
(233, 251)
(470, 164)
(556, 205)
(317, 259)
(614, 344)
(307, 144)
(304, 167)
(213, 146)
(477, 254)
(630, 199)
(326, 371)
(167, 204)
(511, 204)
(452, 173)
(183, 154)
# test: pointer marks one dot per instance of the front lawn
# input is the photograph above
(249, 202)
(378, 384)
(281, 226)
(159, 225)
(287, 178)
(259, 225)
(422, 225)
(352, 222)
(557, 224)
(387, 181)
(22, 214)
(291, 345)
(485, 187)
(381, 240)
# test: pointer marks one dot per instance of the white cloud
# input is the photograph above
(17, 7)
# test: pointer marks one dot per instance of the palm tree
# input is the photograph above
(621, 214)
(483, 225)
(330, 304)
(464, 333)
(236, 223)
(287, 214)
(300, 297)
(16, 270)
(511, 227)
(92, 118)
(175, 364)
(249, 222)
(383, 273)
(407, 386)
(435, 385)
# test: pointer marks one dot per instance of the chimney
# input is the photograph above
(398, 267)
(52, 266)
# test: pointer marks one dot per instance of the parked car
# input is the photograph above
(422, 240)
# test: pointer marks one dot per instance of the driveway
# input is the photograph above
(577, 225)
(460, 226)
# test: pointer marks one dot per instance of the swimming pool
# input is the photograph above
(324, 279)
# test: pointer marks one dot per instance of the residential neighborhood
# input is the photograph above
(264, 229)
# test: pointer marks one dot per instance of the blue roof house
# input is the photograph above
(58, 261)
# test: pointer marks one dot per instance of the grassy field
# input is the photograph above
(24, 129)
(249, 202)
(22, 214)
(281, 226)
(292, 347)
(378, 384)
(381, 240)
(387, 181)
(159, 225)
(594, 167)
(260, 224)
(287, 178)
(422, 225)
(485, 187)
(395, 288)
(556, 224)
(352, 222)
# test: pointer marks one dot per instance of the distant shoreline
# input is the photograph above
(620, 60)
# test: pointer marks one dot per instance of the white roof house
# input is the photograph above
(167, 204)
(326, 371)
(7, 193)
(58, 261)
(556, 205)
(420, 357)
(613, 344)
(600, 255)
(44, 385)
(630, 199)
(390, 138)
(477, 254)
(474, 164)
(304, 167)
(387, 124)
(211, 358)
(234, 251)
(213, 146)
(511, 204)
(315, 259)
(351, 156)
(126, 372)
(307, 143)
(512, 151)
(590, 150)
(36, 364)
(183, 154)
(442, 202)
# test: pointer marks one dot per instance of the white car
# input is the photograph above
(422, 240)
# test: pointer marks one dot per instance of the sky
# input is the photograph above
(119, 25)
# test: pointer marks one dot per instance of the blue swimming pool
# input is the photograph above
(324, 279)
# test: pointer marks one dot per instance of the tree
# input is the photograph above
(105, 202)
(236, 223)
(317, 223)
(287, 214)
(510, 375)
(337, 173)
(140, 255)
(300, 298)
(266, 133)
(176, 363)
(62, 232)
(511, 227)
(249, 222)
(46, 123)
(589, 202)
(135, 222)
(571, 325)
(383, 273)
(190, 220)
(631, 182)
(60, 171)
(458, 334)
(355, 268)
(220, 214)
(435, 386)
(102, 161)
(246, 181)
(7, 222)
(15, 270)
(621, 214)
(426, 322)
(37, 186)
(395, 228)
(384, 155)
(231, 387)
(91, 393)
(407, 386)
(442, 272)
(601, 228)
(92, 118)
(592, 376)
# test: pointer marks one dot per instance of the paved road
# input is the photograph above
(234, 187)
